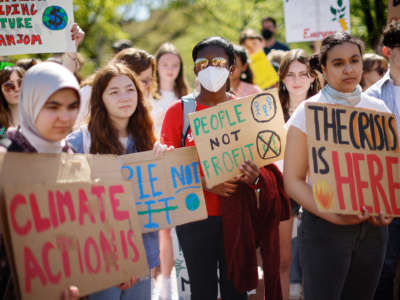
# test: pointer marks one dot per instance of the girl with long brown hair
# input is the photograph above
(171, 83)
(171, 86)
(297, 82)
(120, 123)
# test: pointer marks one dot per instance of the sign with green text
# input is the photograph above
(249, 128)
(353, 157)
(36, 26)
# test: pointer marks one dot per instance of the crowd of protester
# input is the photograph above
(134, 103)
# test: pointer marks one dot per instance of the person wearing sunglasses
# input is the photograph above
(10, 83)
(374, 67)
(207, 244)
(202, 241)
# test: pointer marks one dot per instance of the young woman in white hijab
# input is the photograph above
(48, 107)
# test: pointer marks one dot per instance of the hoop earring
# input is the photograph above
(312, 85)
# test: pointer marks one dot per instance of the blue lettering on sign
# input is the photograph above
(152, 180)
(185, 174)
(184, 177)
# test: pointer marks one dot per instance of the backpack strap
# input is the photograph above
(188, 106)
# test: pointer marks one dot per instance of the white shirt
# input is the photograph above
(159, 108)
(298, 118)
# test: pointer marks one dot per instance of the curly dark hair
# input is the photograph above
(103, 135)
(391, 34)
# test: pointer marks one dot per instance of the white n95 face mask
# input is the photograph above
(213, 78)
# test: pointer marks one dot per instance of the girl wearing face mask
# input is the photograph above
(48, 106)
(119, 124)
(341, 255)
(204, 243)
(10, 82)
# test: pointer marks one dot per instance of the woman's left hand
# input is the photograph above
(250, 172)
(158, 149)
(77, 34)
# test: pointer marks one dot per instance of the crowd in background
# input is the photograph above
(134, 103)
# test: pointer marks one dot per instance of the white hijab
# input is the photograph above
(38, 84)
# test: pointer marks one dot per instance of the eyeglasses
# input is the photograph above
(11, 86)
(202, 63)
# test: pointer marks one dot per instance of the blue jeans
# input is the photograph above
(140, 291)
(340, 262)
(385, 287)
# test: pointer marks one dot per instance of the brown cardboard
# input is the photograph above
(393, 10)
(346, 173)
(249, 128)
(95, 245)
(168, 189)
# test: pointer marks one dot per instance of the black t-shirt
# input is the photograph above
(277, 46)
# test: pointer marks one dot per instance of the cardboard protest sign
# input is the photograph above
(36, 26)
(353, 159)
(313, 20)
(83, 234)
(249, 128)
(264, 73)
(393, 10)
(167, 190)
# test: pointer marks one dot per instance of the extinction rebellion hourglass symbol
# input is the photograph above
(263, 109)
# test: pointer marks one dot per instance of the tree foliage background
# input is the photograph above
(185, 22)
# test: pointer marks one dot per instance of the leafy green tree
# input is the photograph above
(102, 24)
(368, 19)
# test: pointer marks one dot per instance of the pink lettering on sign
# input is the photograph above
(15, 202)
(119, 215)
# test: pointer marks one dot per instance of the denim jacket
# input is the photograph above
(384, 90)
(150, 240)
